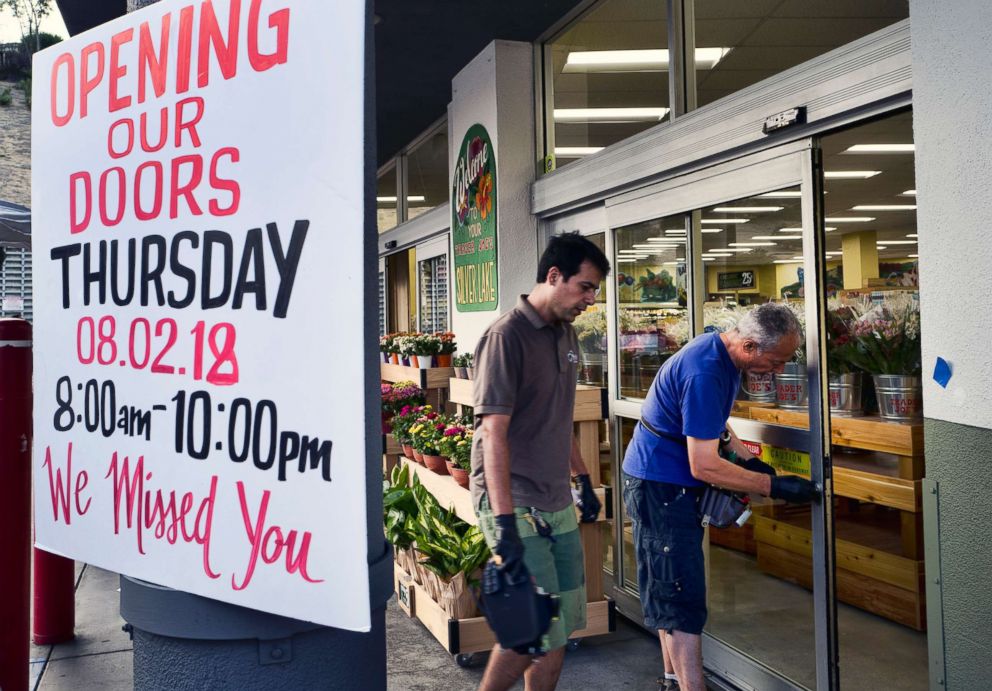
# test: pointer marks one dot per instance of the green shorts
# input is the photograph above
(558, 567)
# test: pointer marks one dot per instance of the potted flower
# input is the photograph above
(460, 362)
(424, 436)
(397, 396)
(403, 421)
(461, 459)
(887, 346)
(425, 347)
(446, 349)
(846, 380)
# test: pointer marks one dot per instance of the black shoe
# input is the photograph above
(667, 684)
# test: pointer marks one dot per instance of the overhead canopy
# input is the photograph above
(15, 225)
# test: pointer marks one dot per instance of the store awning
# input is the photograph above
(15, 225)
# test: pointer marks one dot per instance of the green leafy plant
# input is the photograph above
(447, 545)
(462, 360)
(5, 98)
(400, 508)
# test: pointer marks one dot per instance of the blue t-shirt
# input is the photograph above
(691, 396)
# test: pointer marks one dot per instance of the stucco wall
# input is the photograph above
(496, 90)
(952, 121)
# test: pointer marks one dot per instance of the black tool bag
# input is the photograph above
(518, 611)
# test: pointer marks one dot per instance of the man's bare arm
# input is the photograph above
(496, 462)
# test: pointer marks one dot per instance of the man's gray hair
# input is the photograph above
(768, 324)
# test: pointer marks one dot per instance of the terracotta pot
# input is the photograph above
(418, 457)
(408, 451)
(450, 464)
(443, 360)
(461, 476)
(436, 463)
(394, 358)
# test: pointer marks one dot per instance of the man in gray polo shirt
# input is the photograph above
(524, 451)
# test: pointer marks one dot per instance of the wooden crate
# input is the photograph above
(871, 433)
(868, 576)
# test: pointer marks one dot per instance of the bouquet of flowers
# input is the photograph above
(447, 342)
(425, 344)
(886, 337)
(402, 394)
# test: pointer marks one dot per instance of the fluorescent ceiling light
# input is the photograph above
(881, 247)
(880, 149)
(908, 193)
(833, 254)
(896, 242)
(912, 235)
(645, 60)
(786, 194)
(746, 209)
(675, 231)
(628, 252)
(786, 261)
(850, 174)
(751, 244)
(410, 198)
(849, 219)
(800, 257)
(575, 151)
(912, 255)
(709, 259)
(711, 230)
(625, 260)
(884, 207)
(733, 249)
(668, 240)
(776, 237)
(830, 229)
(610, 114)
(790, 230)
(724, 220)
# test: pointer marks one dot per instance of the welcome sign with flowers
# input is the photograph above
(473, 222)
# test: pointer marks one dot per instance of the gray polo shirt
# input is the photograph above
(527, 368)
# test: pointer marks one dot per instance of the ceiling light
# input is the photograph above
(790, 230)
(850, 174)
(912, 255)
(881, 247)
(785, 194)
(776, 237)
(830, 228)
(833, 254)
(709, 259)
(746, 209)
(628, 251)
(908, 193)
(786, 261)
(711, 230)
(675, 231)
(849, 219)
(610, 114)
(800, 257)
(724, 220)
(576, 151)
(733, 249)
(751, 244)
(912, 235)
(645, 60)
(896, 242)
(625, 260)
(883, 207)
(880, 149)
(410, 198)
(719, 253)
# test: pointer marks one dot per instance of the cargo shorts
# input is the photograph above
(558, 567)
(668, 543)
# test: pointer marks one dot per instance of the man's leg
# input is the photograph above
(686, 653)
(666, 656)
(504, 668)
(543, 674)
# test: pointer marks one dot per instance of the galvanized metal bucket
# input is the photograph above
(846, 395)
(791, 386)
(900, 398)
(759, 387)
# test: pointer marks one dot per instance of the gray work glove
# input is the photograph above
(793, 489)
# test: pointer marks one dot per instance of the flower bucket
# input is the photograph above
(405, 361)
(444, 360)
(384, 357)
(436, 463)
(900, 397)
(425, 361)
(394, 358)
(759, 387)
(791, 385)
(408, 452)
(846, 399)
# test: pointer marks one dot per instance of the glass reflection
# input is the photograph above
(385, 200)
(590, 328)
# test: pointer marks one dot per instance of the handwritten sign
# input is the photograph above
(734, 280)
(473, 223)
(197, 194)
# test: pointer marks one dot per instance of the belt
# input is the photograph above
(679, 439)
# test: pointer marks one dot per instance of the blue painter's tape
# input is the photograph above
(942, 372)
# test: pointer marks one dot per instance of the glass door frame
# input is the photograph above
(796, 164)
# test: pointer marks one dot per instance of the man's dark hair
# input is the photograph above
(567, 251)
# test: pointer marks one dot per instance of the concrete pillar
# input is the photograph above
(496, 90)
(860, 258)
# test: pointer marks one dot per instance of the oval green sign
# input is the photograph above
(473, 222)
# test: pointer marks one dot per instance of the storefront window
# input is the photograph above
(608, 75)
(385, 200)
(651, 295)
(741, 43)
(427, 173)
(874, 367)
(590, 328)
(434, 294)
(627, 553)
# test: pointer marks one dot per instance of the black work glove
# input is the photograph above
(510, 548)
(589, 504)
(791, 488)
(756, 465)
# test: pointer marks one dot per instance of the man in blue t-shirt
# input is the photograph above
(675, 453)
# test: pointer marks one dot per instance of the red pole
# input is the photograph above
(54, 598)
(15, 501)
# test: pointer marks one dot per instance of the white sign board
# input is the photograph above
(197, 196)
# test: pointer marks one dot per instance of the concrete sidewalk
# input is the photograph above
(100, 656)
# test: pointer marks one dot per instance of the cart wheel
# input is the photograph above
(465, 659)
(572, 645)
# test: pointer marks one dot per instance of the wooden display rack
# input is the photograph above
(879, 559)
(434, 382)
(462, 637)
